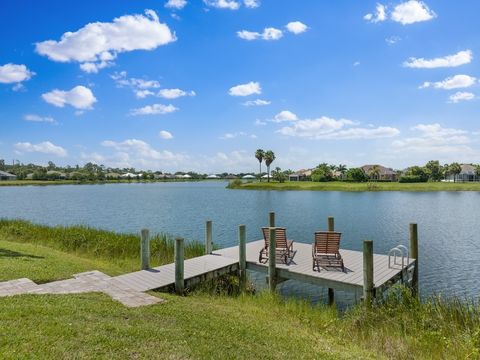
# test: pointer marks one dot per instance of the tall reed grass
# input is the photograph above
(87, 241)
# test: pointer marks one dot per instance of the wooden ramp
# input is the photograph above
(301, 267)
(196, 270)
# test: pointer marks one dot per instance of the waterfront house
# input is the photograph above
(384, 173)
(467, 174)
(213, 176)
(7, 176)
(250, 177)
(301, 175)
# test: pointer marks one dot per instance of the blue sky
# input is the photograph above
(200, 85)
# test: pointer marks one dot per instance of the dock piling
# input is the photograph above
(144, 249)
(271, 219)
(242, 256)
(414, 255)
(331, 292)
(208, 238)
(272, 280)
(368, 286)
(179, 266)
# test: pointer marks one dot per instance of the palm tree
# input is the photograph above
(342, 169)
(374, 172)
(269, 157)
(260, 154)
(454, 169)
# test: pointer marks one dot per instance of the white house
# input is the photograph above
(7, 176)
(213, 176)
(467, 174)
(248, 177)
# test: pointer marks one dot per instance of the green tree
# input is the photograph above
(477, 170)
(269, 158)
(435, 170)
(454, 169)
(374, 172)
(357, 175)
(2, 165)
(260, 155)
(279, 175)
(322, 173)
(418, 172)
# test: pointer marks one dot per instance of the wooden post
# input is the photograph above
(179, 266)
(271, 219)
(272, 281)
(331, 223)
(208, 238)
(414, 255)
(331, 292)
(144, 249)
(368, 286)
(242, 256)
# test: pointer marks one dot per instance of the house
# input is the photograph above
(112, 175)
(7, 176)
(249, 177)
(231, 177)
(379, 172)
(129, 176)
(213, 176)
(301, 175)
(56, 174)
(467, 174)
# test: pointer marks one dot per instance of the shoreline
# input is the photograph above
(76, 182)
(357, 187)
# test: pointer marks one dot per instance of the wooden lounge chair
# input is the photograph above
(283, 248)
(325, 250)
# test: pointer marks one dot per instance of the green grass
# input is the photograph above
(202, 325)
(349, 186)
(123, 250)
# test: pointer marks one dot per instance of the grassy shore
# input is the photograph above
(203, 325)
(351, 186)
(83, 182)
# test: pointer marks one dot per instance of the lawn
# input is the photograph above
(203, 324)
(351, 186)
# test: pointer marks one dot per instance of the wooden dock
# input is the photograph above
(301, 268)
(196, 270)
(366, 274)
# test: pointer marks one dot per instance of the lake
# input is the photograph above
(448, 222)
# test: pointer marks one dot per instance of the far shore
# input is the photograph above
(86, 182)
(356, 186)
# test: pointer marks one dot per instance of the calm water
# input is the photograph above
(449, 222)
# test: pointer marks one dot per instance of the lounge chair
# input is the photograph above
(283, 248)
(325, 250)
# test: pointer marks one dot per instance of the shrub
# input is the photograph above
(412, 179)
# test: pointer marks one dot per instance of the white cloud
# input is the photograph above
(97, 44)
(80, 97)
(461, 96)
(252, 4)
(460, 58)
(296, 27)
(38, 118)
(455, 82)
(155, 109)
(13, 73)
(328, 128)
(411, 12)
(223, 4)
(434, 139)
(250, 88)
(176, 4)
(140, 87)
(356, 63)
(285, 115)
(45, 147)
(174, 93)
(392, 40)
(259, 122)
(379, 15)
(257, 102)
(268, 34)
(165, 135)
(134, 152)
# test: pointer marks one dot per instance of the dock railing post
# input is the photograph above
(144, 249)
(414, 255)
(271, 219)
(208, 238)
(331, 292)
(368, 286)
(242, 256)
(179, 266)
(272, 281)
